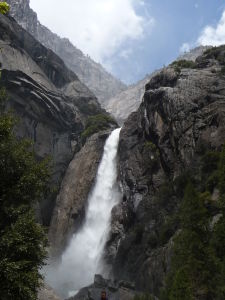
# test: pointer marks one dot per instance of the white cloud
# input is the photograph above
(97, 27)
(126, 53)
(185, 48)
(213, 36)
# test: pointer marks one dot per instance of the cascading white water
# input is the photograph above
(81, 260)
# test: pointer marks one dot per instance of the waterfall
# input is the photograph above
(81, 260)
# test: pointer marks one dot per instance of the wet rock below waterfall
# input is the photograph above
(115, 290)
(47, 293)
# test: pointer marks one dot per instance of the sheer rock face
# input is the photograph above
(100, 82)
(129, 100)
(181, 114)
(73, 194)
(50, 101)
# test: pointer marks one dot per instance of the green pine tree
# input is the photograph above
(193, 264)
(23, 181)
(181, 286)
(221, 172)
(218, 233)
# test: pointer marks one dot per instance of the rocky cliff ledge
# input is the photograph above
(182, 115)
(52, 105)
(115, 290)
(46, 293)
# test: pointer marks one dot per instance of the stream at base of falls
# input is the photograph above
(82, 258)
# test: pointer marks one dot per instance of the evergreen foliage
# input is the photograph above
(143, 297)
(221, 173)
(183, 64)
(198, 263)
(4, 8)
(97, 123)
(217, 53)
(23, 181)
(192, 260)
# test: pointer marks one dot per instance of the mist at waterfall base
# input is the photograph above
(82, 259)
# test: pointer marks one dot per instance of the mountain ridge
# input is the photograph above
(92, 74)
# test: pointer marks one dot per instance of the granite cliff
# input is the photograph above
(128, 101)
(180, 120)
(92, 74)
(181, 117)
(53, 107)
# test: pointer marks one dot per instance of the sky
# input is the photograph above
(132, 38)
